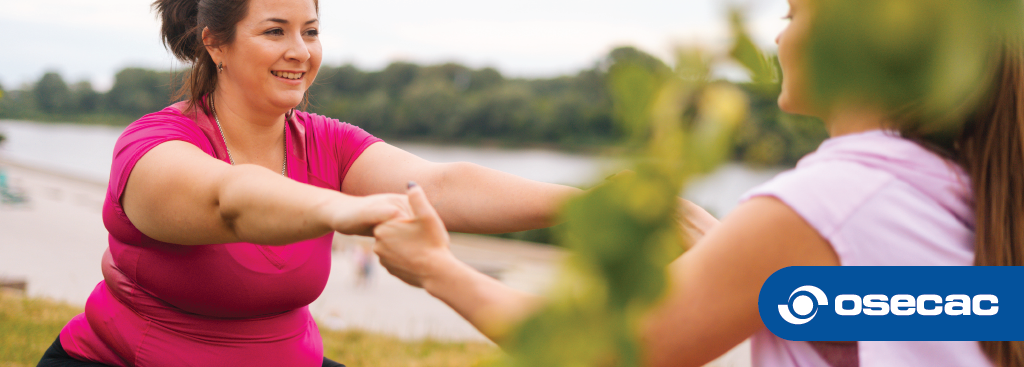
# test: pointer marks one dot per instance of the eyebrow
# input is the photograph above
(284, 21)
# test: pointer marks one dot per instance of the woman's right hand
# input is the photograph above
(359, 215)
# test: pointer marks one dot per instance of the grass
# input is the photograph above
(28, 326)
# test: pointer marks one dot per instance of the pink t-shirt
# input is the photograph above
(238, 304)
(879, 200)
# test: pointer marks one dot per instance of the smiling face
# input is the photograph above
(274, 57)
(792, 44)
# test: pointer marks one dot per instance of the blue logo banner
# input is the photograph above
(846, 303)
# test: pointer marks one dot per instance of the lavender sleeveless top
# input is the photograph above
(879, 200)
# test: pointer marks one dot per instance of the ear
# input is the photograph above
(217, 53)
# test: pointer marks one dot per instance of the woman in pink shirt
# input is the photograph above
(221, 208)
(880, 191)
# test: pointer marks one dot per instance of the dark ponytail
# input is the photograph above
(182, 27)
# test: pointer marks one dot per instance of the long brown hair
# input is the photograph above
(990, 148)
(182, 24)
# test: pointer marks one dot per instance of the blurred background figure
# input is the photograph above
(9, 193)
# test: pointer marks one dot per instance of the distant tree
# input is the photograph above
(429, 107)
(84, 97)
(334, 84)
(397, 76)
(505, 112)
(19, 104)
(372, 112)
(137, 92)
(455, 103)
(52, 94)
(485, 78)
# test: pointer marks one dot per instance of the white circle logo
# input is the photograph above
(803, 305)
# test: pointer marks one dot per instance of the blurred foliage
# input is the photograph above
(448, 103)
(624, 232)
(927, 62)
(922, 62)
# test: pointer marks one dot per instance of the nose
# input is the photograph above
(777, 37)
(297, 50)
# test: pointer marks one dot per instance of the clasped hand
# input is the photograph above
(412, 248)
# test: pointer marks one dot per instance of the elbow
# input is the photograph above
(232, 193)
(443, 181)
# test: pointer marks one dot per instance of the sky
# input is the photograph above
(92, 40)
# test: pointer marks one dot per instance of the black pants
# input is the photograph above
(57, 357)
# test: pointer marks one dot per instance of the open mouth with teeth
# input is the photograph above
(287, 75)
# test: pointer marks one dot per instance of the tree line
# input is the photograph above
(447, 103)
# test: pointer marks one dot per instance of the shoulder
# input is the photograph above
(174, 121)
(332, 131)
(863, 173)
(323, 124)
(826, 194)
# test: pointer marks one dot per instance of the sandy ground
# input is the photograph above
(54, 242)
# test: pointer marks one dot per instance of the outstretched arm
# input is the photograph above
(468, 197)
(711, 305)
(416, 250)
(178, 194)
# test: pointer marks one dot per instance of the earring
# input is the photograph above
(220, 67)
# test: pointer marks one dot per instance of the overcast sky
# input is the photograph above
(92, 40)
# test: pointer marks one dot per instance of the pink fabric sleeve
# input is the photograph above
(352, 142)
(333, 147)
(137, 140)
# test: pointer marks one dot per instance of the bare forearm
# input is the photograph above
(491, 306)
(474, 199)
(262, 207)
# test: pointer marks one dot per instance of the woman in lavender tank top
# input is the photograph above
(888, 188)
(221, 208)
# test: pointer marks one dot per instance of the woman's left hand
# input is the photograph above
(413, 249)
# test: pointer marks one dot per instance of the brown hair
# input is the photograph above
(182, 27)
(990, 148)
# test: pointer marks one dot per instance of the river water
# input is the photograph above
(85, 151)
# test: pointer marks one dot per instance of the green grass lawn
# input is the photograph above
(28, 326)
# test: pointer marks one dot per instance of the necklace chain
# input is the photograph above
(284, 168)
